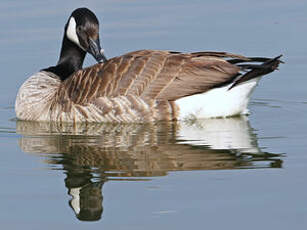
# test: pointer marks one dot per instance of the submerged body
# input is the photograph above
(40, 99)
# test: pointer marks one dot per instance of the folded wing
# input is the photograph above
(153, 75)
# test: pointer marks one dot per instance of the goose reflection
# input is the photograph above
(92, 154)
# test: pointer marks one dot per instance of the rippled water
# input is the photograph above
(237, 173)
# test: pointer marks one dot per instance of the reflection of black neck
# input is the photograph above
(89, 197)
(71, 59)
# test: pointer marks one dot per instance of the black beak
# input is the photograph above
(95, 50)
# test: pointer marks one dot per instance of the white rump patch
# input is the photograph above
(218, 102)
(71, 32)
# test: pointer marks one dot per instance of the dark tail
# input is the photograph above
(253, 70)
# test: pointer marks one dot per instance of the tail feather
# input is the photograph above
(254, 71)
(249, 59)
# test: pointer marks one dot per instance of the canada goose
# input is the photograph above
(140, 86)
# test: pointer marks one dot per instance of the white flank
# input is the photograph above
(218, 102)
(71, 32)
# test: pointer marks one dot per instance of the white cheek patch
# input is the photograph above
(71, 32)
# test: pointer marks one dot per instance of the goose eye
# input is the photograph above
(79, 29)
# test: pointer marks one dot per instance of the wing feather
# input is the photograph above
(151, 70)
(152, 75)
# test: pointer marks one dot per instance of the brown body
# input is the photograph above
(140, 86)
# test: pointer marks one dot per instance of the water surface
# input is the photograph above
(237, 173)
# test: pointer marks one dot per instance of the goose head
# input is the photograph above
(82, 29)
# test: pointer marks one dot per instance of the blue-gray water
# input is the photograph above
(239, 173)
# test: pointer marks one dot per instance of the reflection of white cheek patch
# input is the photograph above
(71, 32)
(75, 201)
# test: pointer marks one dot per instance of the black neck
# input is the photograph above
(71, 59)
